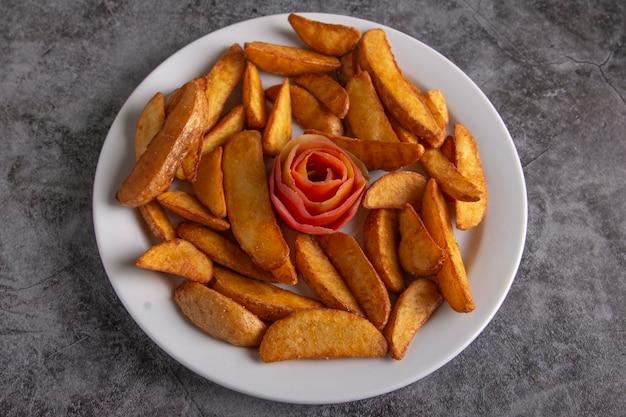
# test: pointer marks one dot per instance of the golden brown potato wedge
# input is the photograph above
(357, 271)
(380, 244)
(366, 115)
(223, 251)
(451, 181)
(403, 134)
(250, 210)
(419, 254)
(394, 90)
(149, 123)
(349, 66)
(439, 107)
(467, 157)
(178, 257)
(394, 189)
(253, 98)
(412, 309)
(452, 277)
(325, 38)
(328, 91)
(188, 207)
(288, 61)
(277, 130)
(286, 273)
(266, 300)
(388, 156)
(221, 81)
(155, 169)
(322, 278)
(321, 334)
(218, 315)
(308, 111)
(233, 122)
(157, 221)
(209, 183)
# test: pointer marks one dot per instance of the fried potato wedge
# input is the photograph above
(452, 277)
(394, 90)
(277, 130)
(451, 181)
(349, 66)
(467, 158)
(233, 122)
(403, 134)
(154, 171)
(222, 80)
(380, 244)
(366, 115)
(209, 183)
(419, 254)
(321, 334)
(178, 257)
(321, 277)
(328, 91)
(286, 273)
(250, 210)
(308, 111)
(218, 315)
(325, 38)
(357, 271)
(266, 300)
(157, 221)
(388, 156)
(253, 98)
(149, 123)
(438, 106)
(223, 251)
(188, 207)
(412, 309)
(288, 61)
(394, 189)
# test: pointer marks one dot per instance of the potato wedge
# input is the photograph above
(286, 273)
(250, 210)
(394, 90)
(451, 181)
(328, 91)
(188, 207)
(325, 38)
(380, 244)
(321, 334)
(209, 183)
(277, 130)
(366, 115)
(266, 300)
(222, 80)
(388, 156)
(218, 315)
(157, 221)
(357, 271)
(412, 309)
(288, 61)
(223, 251)
(452, 277)
(439, 107)
(308, 111)
(321, 276)
(349, 66)
(149, 123)
(155, 169)
(419, 254)
(394, 189)
(178, 257)
(403, 134)
(253, 98)
(467, 157)
(233, 122)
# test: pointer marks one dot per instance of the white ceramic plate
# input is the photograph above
(492, 252)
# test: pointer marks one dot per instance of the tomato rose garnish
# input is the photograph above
(315, 186)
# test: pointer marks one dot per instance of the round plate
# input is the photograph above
(492, 251)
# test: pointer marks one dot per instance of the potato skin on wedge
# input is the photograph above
(319, 334)
(218, 315)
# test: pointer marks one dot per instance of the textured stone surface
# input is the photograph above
(556, 72)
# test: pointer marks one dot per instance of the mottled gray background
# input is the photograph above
(556, 72)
